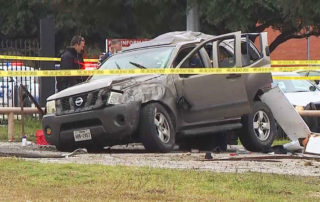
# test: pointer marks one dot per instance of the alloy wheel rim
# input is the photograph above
(261, 125)
(162, 127)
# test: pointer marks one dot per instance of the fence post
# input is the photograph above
(47, 49)
(22, 114)
(11, 126)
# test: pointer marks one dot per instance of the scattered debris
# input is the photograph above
(195, 151)
(233, 154)
(243, 151)
(137, 156)
(278, 149)
(291, 123)
(208, 155)
(313, 144)
(285, 114)
(308, 163)
(24, 154)
(293, 146)
(269, 157)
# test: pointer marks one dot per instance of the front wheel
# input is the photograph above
(259, 128)
(156, 128)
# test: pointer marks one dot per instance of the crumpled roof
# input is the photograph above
(172, 38)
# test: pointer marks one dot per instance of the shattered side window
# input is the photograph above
(225, 55)
(181, 55)
(195, 61)
(249, 53)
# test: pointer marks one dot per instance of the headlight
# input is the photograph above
(114, 98)
(51, 107)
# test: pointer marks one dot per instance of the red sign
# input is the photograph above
(124, 42)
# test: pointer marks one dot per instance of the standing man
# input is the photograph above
(115, 47)
(72, 59)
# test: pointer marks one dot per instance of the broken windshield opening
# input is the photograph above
(156, 57)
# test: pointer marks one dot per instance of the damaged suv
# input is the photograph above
(163, 110)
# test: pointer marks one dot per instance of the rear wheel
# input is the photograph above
(156, 128)
(259, 129)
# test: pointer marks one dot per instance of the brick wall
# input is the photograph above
(294, 49)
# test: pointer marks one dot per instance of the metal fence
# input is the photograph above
(9, 93)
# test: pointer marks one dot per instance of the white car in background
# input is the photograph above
(9, 95)
(298, 92)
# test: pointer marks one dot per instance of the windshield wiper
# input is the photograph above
(117, 65)
(137, 65)
(299, 91)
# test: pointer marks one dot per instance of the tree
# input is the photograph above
(98, 19)
(94, 19)
(291, 17)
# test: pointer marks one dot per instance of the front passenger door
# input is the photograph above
(214, 97)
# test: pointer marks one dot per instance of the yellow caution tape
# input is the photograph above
(296, 77)
(52, 73)
(295, 62)
(51, 59)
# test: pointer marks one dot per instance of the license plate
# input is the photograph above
(82, 135)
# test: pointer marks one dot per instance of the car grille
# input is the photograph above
(80, 102)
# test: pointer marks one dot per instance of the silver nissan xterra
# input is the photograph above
(163, 110)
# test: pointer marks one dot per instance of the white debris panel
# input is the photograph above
(285, 114)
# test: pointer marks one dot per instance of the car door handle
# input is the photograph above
(233, 76)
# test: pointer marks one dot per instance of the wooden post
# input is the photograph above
(22, 112)
(11, 127)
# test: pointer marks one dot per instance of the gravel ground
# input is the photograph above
(135, 155)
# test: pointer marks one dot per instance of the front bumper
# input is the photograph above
(108, 126)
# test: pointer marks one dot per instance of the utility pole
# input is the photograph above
(193, 18)
(308, 43)
(47, 49)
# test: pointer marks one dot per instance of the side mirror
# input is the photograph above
(312, 88)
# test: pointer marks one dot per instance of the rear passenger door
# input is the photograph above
(210, 97)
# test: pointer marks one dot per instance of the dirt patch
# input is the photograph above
(135, 155)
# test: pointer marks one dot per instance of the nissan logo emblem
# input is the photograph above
(78, 101)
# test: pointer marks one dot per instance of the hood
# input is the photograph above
(303, 98)
(92, 85)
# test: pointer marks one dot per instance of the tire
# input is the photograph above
(259, 128)
(156, 129)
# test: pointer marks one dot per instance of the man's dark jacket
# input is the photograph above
(72, 60)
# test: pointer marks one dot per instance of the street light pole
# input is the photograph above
(308, 44)
(193, 19)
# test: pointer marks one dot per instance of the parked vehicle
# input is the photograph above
(301, 93)
(310, 73)
(161, 110)
(9, 94)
